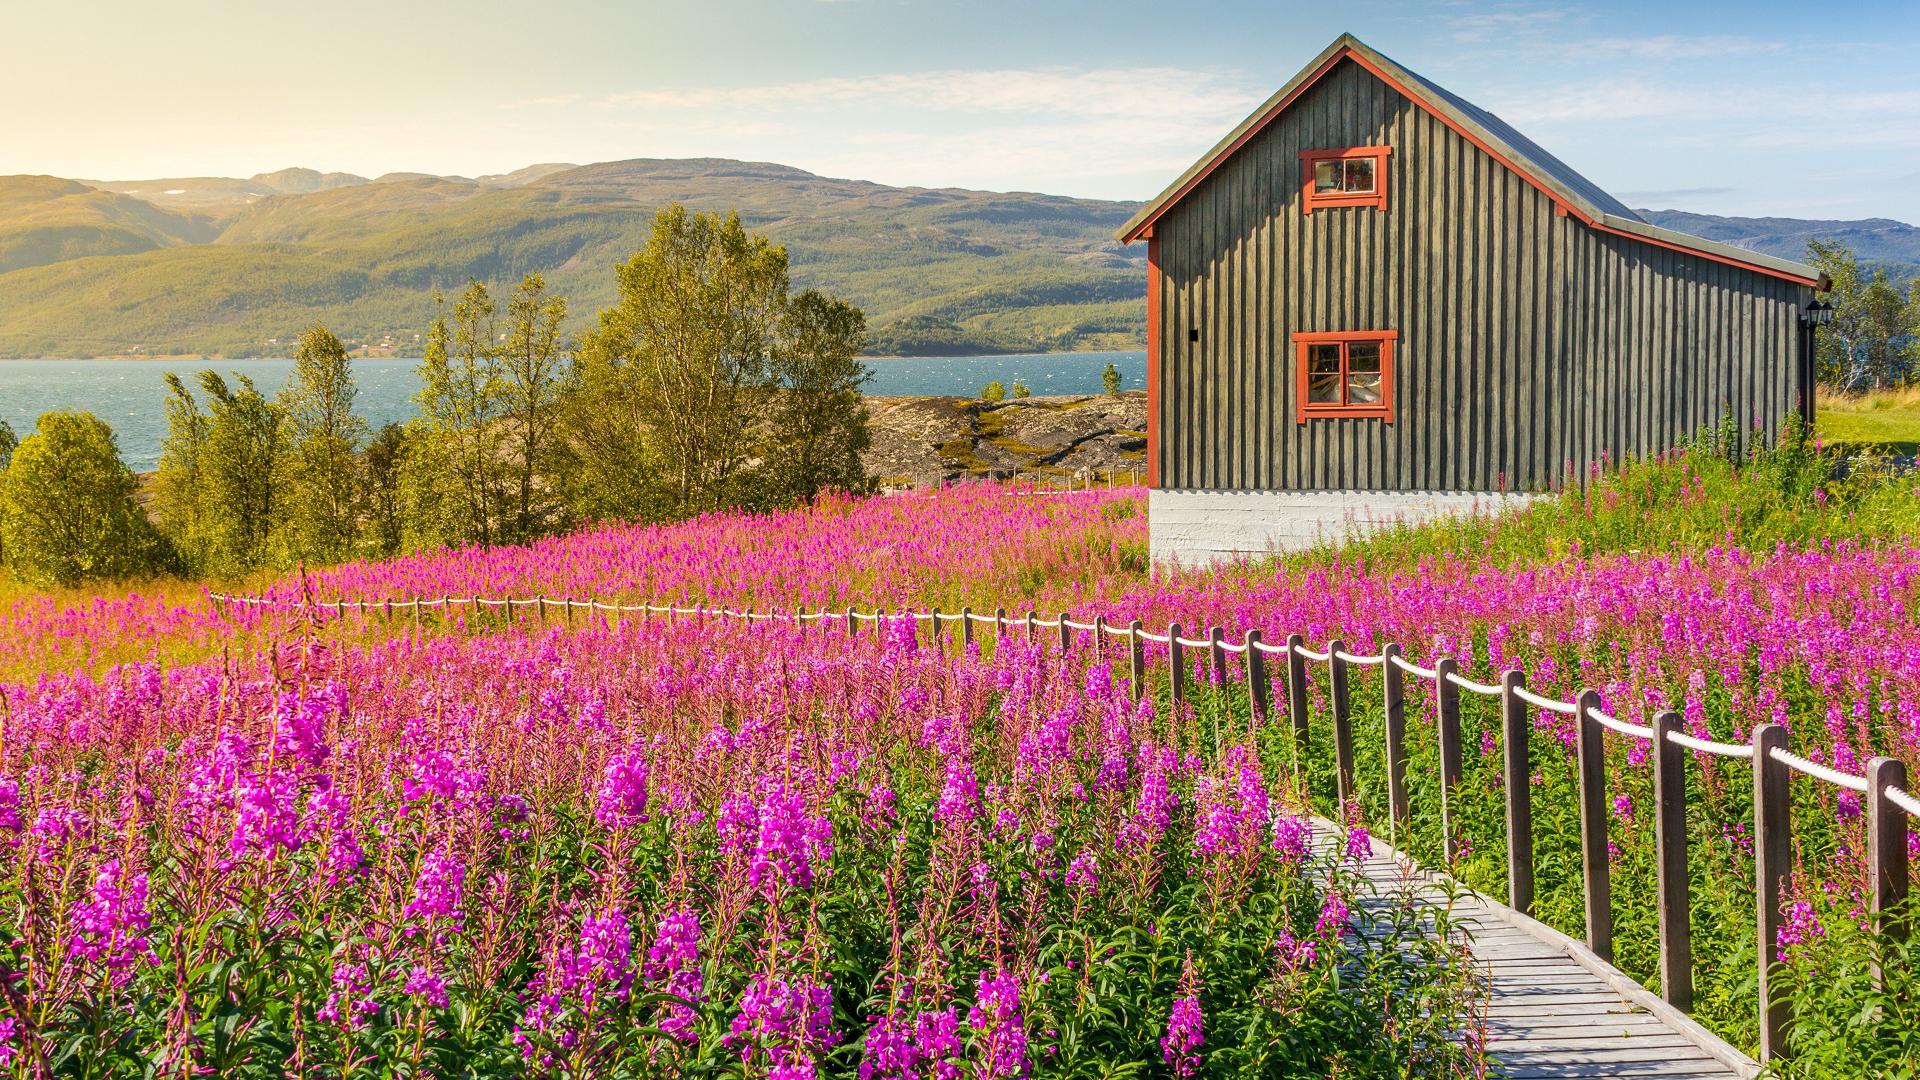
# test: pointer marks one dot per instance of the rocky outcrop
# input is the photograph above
(928, 440)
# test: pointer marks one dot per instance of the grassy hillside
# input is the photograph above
(1882, 242)
(936, 270)
(44, 219)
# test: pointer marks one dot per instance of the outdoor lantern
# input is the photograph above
(1819, 313)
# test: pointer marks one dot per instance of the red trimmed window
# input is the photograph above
(1345, 374)
(1352, 176)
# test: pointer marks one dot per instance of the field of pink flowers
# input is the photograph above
(289, 841)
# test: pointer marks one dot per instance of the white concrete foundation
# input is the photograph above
(1196, 527)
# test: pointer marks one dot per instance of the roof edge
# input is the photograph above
(1347, 45)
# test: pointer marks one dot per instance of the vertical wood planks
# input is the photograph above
(1176, 668)
(1217, 655)
(1595, 869)
(1446, 698)
(1297, 702)
(1257, 686)
(1887, 870)
(966, 628)
(1066, 633)
(1670, 838)
(1772, 866)
(1342, 723)
(1396, 737)
(1517, 766)
(1136, 660)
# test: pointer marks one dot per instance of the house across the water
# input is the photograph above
(1375, 300)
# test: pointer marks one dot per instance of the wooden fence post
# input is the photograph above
(1176, 667)
(1446, 698)
(1596, 872)
(1032, 618)
(1887, 870)
(543, 610)
(1342, 722)
(1099, 637)
(1670, 839)
(1399, 814)
(1517, 764)
(966, 628)
(1216, 636)
(1257, 688)
(1772, 866)
(1066, 633)
(1297, 704)
(999, 627)
(852, 626)
(936, 631)
(1136, 659)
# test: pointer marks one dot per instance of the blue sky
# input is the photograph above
(1743, 108)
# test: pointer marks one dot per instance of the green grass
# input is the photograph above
(1877, 417)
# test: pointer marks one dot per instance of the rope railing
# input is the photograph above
(1889, 804)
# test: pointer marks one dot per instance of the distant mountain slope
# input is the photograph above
(1874, 240)
(935, 269)
(44, 219)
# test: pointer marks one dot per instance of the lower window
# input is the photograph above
(1344, 374)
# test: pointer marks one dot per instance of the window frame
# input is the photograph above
(1303, 343)
(1311, 200)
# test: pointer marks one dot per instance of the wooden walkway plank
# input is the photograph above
(1553, 1009)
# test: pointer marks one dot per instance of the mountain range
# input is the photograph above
(220, 266)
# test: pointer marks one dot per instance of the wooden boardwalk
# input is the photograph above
(1554, 1010)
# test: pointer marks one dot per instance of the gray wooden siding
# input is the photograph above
(1529, 343)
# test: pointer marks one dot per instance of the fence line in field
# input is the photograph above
(1889, 803)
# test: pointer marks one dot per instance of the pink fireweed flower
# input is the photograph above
(1333, 917)
(112, 924)
(936, 1038)
(10, 819)
(1800, 928)
(622, 799)
(425, 985)
(673, 966)
(580, 974)
(1623, 807)
(1083, 872)
(888, 1052)
(1294, 953)
(959, 795)
(1290, 835)
(1359, 843)
(790, 1019)
(999, 1027)
(438, 890)
(791, 839)
(351, 1004)
(1180, 1046)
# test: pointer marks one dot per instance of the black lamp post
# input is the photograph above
(1818, 314)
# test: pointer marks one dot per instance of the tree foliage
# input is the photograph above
(1874, 339)
(323, 437)
(533, 375)
(819, 426)
(67, 507)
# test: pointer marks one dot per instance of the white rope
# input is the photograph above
(523, 603)
(1046, 624)
(1367, 661)
(1464, 683)
(944, 617)
(1316, 657)
(1232, 648)
(1071, 625)
(1819, 771)
(922, 616)
(977, 617)
(1157, 639)
(1193, 644)
(1903, 800)
(1266, 648)
(1564, 708)
(1118, 631)
(1732, 750)
(1414, 669)
(1621, 726)
(873, 616)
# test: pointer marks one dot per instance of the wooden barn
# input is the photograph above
(1375, 300)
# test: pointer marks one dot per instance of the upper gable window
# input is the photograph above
(1347, 176)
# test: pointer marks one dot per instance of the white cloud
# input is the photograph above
(1673, 47)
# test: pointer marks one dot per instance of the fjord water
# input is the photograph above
(130, 395)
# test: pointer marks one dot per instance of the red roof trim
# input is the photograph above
(1561, 205)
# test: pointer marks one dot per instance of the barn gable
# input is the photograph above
(1572, 193)
(1523, 328)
